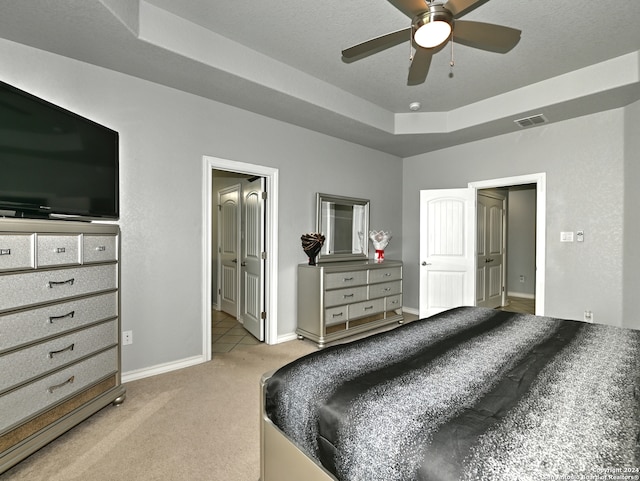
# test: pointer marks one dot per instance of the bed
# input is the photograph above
(468, 394)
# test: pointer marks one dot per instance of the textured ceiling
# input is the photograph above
(282, 59)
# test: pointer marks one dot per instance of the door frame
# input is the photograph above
(271, 176)
(540, 179)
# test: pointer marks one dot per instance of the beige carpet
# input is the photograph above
(199, 423)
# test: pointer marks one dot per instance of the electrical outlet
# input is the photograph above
(521, 278)
(588, 316)
(127, 337)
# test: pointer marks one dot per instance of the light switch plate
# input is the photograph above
(566, 236)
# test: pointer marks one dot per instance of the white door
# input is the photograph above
(253, 259)
(490, 250)
(447, 257)
(229, 249)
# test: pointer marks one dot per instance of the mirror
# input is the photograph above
(344, 221)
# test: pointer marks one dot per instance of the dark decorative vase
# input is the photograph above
(311, 245)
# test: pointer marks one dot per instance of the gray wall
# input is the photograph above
(584, 159)
(521, 243)
(164, 134)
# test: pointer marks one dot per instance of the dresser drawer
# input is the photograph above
(23, 327)
(29, 288)
(17, 251)
(99, 248)
(335, 315)
(385, 274)
(367, 308)
(394, 302)
(58, 250)
(345, 296)
(336, 280)
(28, 401)
(385, 289)
(25, 364)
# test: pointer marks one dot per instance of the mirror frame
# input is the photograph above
(338, 199)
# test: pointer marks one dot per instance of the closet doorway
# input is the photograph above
(251, 287)
(525, 272)
(506, 248)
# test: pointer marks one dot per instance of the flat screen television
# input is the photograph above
(53, 162)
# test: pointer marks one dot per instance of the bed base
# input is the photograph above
(280, 458)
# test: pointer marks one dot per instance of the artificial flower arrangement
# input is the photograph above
(380, 241)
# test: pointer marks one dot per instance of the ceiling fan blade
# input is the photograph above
(376, 45)
(410, 8)
(456, 7)
(485, 36)
(420, 66)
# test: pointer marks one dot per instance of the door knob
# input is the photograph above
(424, 263)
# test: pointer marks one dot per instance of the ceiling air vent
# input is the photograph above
(531, 121)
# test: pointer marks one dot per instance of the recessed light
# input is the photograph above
(414, 106)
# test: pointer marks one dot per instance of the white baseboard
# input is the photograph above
(161, 368)
(410, 310)
(521, 294)
(287, 337)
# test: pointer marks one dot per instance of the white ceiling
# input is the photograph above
(282, 59)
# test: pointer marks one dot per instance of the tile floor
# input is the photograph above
(228, 334)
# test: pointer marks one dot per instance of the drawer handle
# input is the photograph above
(347, 279)
(57, 318)
(340, 314)
(68, 348)
(60, 250)
(60, 283)
(101, 248)
(62, 384)
(388, 274)
(5, 252)
(394, 302)
(345, 296)
(368, 308)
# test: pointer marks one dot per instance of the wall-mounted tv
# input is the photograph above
(53, 162)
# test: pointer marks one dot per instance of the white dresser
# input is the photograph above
(340, 299)
(59, 329)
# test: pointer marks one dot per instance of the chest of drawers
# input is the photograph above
(345, 298)
(59, 329)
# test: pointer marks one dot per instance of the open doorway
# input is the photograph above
(237, 247)
(506, 248)
(525, 270)
(230, 172)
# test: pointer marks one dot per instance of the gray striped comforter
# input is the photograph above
(470, 394)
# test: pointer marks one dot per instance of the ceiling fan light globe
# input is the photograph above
(432, 34)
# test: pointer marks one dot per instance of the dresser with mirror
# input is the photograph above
(346, 293)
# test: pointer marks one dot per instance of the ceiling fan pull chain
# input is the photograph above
(451, 63)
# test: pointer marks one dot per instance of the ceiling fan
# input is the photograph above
(432, 24)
